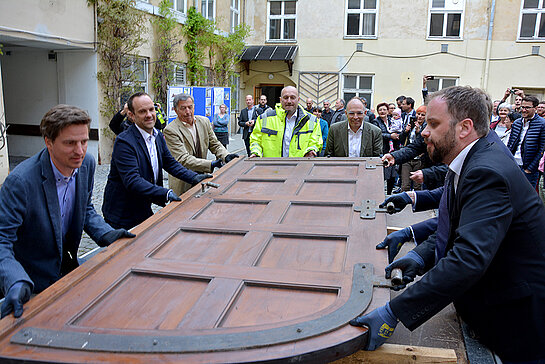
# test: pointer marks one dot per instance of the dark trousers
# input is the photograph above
(247, 144)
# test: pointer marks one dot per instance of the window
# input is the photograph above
(439, 83)
(235, 14)
(358, 85)
(207, 9)
(446, 19)
(532, 19)
(178, 5)
(179, 76)
(281, 20)
(135, 76)
(361, 18)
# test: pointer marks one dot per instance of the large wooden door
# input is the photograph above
(269, 266)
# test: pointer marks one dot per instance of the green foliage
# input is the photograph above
(120, 32)
(229, 48)
(199, 33)
(1, 53)
(223, 51)
(167, 40)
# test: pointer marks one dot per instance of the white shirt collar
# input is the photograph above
(458, 162)
(357, 131)
(145, 134)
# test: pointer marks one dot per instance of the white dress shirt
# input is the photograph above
(458, 162)
(288, 133)
(152, 150)
(354, 141)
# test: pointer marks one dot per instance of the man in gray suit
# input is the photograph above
(354, 137)
(45, 203)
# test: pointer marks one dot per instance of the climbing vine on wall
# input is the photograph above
(120, 32)
(199, 33)
(203, 39)
(167, 39)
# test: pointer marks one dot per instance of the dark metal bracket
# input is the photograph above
(360, 297)
(369, 209)
(205, 186)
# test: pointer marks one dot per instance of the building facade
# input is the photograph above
(381, 49)
(378, 49)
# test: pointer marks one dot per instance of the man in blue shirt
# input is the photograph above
(45, 204)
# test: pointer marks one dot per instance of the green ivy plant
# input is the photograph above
(120, 33)
(199, 33)
(167, 40)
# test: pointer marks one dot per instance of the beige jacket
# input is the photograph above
(181, 145)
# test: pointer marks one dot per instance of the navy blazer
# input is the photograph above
(533, 143)
(31, 242)
(131, 186)
(494, 268)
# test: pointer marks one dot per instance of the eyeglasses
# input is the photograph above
(526, 107)
(358, 113)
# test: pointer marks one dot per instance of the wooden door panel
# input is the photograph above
(282, 304)
(270, 265)
(300, 252)
(322, 214)
(160, 302)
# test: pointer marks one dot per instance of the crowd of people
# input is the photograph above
(462, 155)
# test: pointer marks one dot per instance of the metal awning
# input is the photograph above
(269, 53)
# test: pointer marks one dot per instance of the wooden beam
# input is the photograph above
(399, 354)
(391, 229)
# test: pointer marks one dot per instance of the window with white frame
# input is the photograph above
(361, 18)
(532, 19)
(358, 85)
(135, 75)
(208, 9)
(446, 18)
(439, 83)
(179, 75)
(281, 20)
(235, 14)
(178, 5)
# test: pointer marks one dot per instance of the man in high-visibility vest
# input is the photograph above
(286, 131)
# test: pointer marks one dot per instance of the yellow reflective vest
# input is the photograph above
(268, 134)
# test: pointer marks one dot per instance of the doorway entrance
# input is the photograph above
(272, 91)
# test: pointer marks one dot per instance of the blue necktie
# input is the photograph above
(443, 224)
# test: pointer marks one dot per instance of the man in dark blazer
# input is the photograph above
(136, 179)
(341, 137)
(527, 147)
(246, 120)
(45, 204)
(492, 265)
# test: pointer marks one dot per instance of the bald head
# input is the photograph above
(289, 98)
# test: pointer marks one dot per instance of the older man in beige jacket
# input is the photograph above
(189, 138)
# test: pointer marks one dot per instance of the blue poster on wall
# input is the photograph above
(207, 100)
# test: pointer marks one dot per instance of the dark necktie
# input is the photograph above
(443, 224)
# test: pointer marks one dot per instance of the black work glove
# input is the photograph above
(394, 241)
(18, 294)
(171, 196)
(230, 157)
(399, 200)
(114, 235)
(381, 323)
(198, 178)
(217, 164)
(411, 265)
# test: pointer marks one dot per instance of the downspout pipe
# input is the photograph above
(489, 44)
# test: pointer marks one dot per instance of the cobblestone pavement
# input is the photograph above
(87, 245)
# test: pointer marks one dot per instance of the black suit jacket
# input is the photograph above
(243, 118)
(131, 186)
(494, 269)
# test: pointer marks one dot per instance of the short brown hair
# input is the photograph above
(467, 102)
(60, 117)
